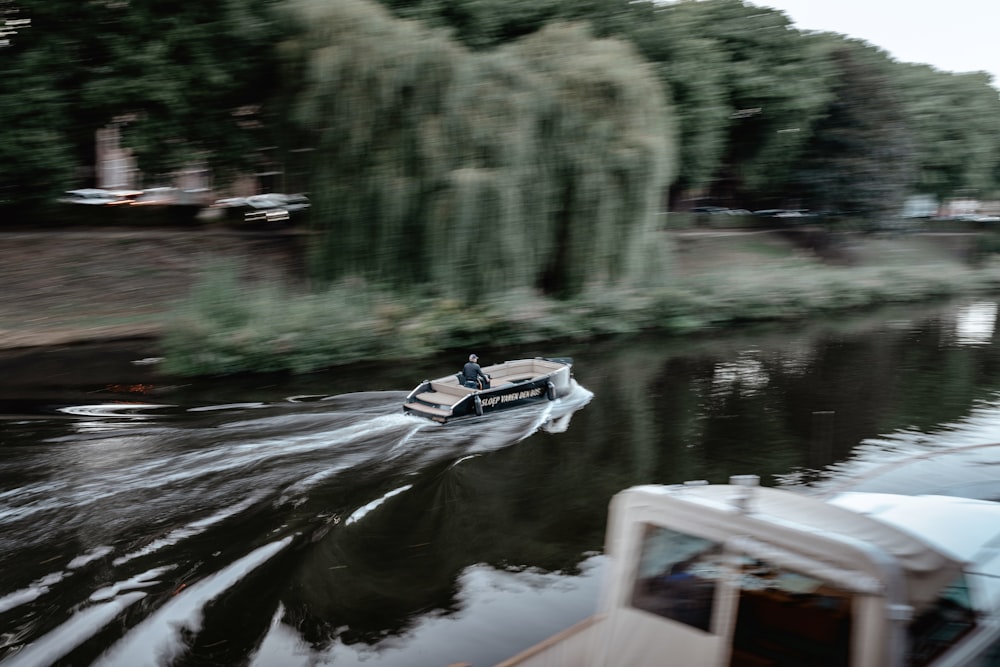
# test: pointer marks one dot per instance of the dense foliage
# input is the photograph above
(748, 90)
(536, 165)
(187, 83)
(228, 326)
(859, 156)
(463, 147)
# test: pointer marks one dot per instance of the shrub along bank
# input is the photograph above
(228, 325)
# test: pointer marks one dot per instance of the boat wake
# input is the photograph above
(154, 512)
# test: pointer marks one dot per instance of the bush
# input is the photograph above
(231, 325)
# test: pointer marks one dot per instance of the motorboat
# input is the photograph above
(512, 384)
(743, 575)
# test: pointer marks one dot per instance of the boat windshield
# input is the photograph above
(677, 576)
(787, 617)
(942, 625)
(783, 616)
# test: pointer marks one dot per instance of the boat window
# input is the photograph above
(677, 576)
(939, 627)
(789, 618)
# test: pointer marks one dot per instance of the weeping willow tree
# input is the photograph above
(482, 233)
(373, 95)
(537, 166)
(606, 152)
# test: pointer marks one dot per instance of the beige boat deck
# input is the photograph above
(447, 390)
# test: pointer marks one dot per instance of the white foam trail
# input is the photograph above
(229, 406)
(564, 409)
(91, 556)
(160, 638)
(540, 419)
(283, 646)
(34, 590)
(190, 530)
(182, 468)
(115, 410)
(362, 511)
(37, 589)
(400, 445)
(297, 491)
(81, 627)
(10, 515)
(304, 398)
(20, 491)
(142, 580)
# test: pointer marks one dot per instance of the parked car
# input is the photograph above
(288, 202)
(89, 197)
(785, 213)
(976, 217)
(267, 208)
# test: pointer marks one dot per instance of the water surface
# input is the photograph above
(286, 521)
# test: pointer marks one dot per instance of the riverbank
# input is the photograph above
(64, 287)
(76, 287)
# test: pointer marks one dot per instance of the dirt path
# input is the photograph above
(59, 287)
(65, 286)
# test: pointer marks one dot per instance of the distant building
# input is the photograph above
(116, 167)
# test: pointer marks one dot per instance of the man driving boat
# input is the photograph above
(473, 376)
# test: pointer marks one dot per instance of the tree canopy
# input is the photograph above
(554, 130)
(537, 165)
(955, 119)
(859, 156)
(186, 82)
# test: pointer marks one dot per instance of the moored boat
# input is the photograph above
(153, 206)
(512, 383)
(741, 575)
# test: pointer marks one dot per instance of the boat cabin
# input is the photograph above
(747, 576)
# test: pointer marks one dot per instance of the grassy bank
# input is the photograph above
(228, 325)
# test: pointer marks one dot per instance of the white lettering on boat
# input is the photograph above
(493, 401)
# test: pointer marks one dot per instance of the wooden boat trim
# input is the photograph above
(574, 632)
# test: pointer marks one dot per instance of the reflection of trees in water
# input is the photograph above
(662, 412)
(773, 405)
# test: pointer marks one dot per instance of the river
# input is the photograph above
(286, 521)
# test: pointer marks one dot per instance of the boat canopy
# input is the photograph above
(826, 535)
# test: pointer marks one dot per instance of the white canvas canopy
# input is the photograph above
(829, 535)
(878, 559)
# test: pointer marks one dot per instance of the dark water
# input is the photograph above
(303, 521)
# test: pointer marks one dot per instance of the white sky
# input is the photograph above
(954, 36)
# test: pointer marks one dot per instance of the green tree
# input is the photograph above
(373, 102)
(776, 84)
(609, 152)
(860, 158)
(35, 117)
(184, 82)
(692, 68)
(955, 119)
(539, 165)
